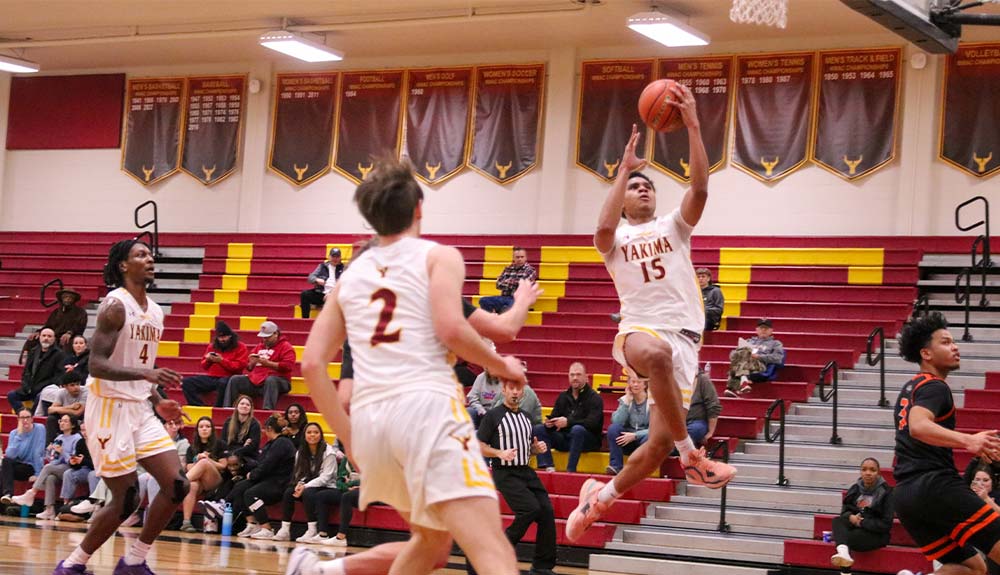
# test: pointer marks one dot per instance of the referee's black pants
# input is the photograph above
(528, 499)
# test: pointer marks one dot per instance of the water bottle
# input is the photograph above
(25, 510)
(227, 520)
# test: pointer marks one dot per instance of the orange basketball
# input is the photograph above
(655, 108)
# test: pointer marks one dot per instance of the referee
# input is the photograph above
(505, 438)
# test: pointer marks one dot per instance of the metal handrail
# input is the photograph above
(829, 368)
(45, 287)
(962, 297)
(985, 220)
(921, 306)
(878, 360)
(155, 222)
(722, 446)
(982, 265)
(778, 435)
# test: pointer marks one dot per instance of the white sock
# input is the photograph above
(77, 557)
(608, 493)
(286, 524)
(684, 447)
(843, 550)
(335, 567)
(137, 553)
(310, 526)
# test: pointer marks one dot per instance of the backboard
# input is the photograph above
(912, 19)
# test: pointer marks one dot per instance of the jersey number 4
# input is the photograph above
(658, 271)
(144, 353)
(388, 298)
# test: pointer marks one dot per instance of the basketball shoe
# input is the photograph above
(700, 470)
(588, 511)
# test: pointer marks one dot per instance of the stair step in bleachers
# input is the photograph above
(891, 559)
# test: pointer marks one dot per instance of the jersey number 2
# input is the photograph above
(657, 268)
(388, 298)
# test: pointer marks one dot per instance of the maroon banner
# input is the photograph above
(65, 112)
(970, 121)
(609, 96)
(152, 146)
(369, 121)
(710, 79)
(773, 100)
(302, 132)
(212, 136)
(855, 131)
(507, 120)
(437, 121)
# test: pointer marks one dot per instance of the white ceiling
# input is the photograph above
(73, 34)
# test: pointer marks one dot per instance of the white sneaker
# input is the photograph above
(302, 561)
(551, 469)
(335, 542)
(262, 533)
(842, 558)
(249, 530)
(283, 534)
(908, 572)
(84, 507)
(307, 536)
(210, 526)
(47, 515)
(26, 498)
(213, 509)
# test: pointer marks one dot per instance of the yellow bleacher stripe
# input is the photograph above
(298, 386)
(549, 304)
(498, 254)
(251, 322)
(553, 271)
(488, 287)
(196, 411)
(231, 282)
(722, 324)
(731, 309)
(318, 418)
(241, 251)
(237, 266)
(734, 274)
(297, 312)
(298, 351)
(590, 462)
(864, 275)
(570, 254)
(534, 318)
(802, 256)
(206, 308)
(601, 379)
(197, 335)
(734, 292)
(168, 349)
(493, 269)
(345, 250)
(226, 296)
(201, 321)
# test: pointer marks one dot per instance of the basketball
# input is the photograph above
(655, 108)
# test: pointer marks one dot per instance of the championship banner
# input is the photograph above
(369, 121)
(212, 137)
(711, 80)
(858, 96)
(609, 93)
(507, 120)
(302, 132)
(970, 121)
(152, 146)
(437, 121)
(773, 98)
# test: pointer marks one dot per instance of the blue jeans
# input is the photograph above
(697, 430)
(496, 303)
(617, 459)
(575, 440)
(17, 397)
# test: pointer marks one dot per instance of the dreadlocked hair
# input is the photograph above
(917, 334)
(116, 255)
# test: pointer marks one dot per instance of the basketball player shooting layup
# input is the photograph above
(123, 431)
(649, 259)
(400, 305)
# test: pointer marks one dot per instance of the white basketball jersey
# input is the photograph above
(385, 297)
(136, 347)
(652, 270)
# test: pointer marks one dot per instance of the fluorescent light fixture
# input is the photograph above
(666, 28)
(297, 46)
(17, 65)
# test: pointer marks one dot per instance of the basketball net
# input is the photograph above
(761, 12)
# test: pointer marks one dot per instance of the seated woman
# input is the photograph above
(79, 361)
(204, 462)
(314, 477)
(266, 480)
(296, 417)
(60, 451)
(241, 432)
(215, 500)
(865, 518)
(348, 482)
(81, 469)
(984, 485)
(629, 423)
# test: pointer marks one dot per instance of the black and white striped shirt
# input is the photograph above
(503, 429)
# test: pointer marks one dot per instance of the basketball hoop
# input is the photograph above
(760, 12)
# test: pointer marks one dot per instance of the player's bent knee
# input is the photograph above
(130, 502)
(181, 487)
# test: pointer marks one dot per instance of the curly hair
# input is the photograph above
(117, 254)
(917, 334)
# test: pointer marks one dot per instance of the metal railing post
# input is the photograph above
(722, 446)
(831, 368)
(57, 282)
(155, 222)
(962, 297)
(878, 360)
(779, 435)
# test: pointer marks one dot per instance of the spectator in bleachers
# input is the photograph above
(78, 359)
(485, 390)
(508, 281)
(576, 421)
(349, 484)
(81, 469)
(975, 463)
(204, 462)
(42, 367)
(149, 488)
(529, 405)
(314, 477)
(296, 418)
(241, 431)
(984, 484)
(756, 362)
(69, 400)
(24, 455)
(703, 415)
(323, 278)
(266, 480)
(629, 423)
(269, 371)
(50, 477)
(215, 500)
(865, 518)
(712, 296)
(225, 357)
(68, 320)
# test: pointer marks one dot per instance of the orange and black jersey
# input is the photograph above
(913, 456)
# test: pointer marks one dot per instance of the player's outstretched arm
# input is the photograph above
(446, 271)
(693, 203)
(504, 328)
(325, 339)
(611, 211)
(922, 427)
(110, 321)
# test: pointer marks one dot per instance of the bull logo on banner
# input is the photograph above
(437, 121)
(152, 147)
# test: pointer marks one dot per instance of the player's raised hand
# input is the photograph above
(168, 378)
(631, 162)
(683, 99)
(985, 443)
(513, 370)
(528, 291)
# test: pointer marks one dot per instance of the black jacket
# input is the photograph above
(235, 445)
(322, 272)
(275, 463)
(586, 410)
(877, 516)
(48, 371)
(81, 449)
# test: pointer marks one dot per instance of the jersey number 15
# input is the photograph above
(654, 271)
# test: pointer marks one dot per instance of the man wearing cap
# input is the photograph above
(225, 357)
(323, 278)
(712, 296)
(68, 320)
(755, 362)
(269, 371)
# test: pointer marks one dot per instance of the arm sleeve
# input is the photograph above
(774, 354)
(559, 409)
(713, 407)
(328, 471)
(315, 273)
(684, 229)
(850, 502)
(594, 419)
(204, 360)
(477, 386)
(488, 427)
(532, 407)
(236, 362)
(878, 518)
(620, 416)
(287, 360)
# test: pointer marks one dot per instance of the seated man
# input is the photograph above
(507, 282)
(68, 320)
(70, 400)
(43, 366)
(629, 423)
(323, 278)
(269, 371)
(755, 362)
(712, 297)
(575, 423)
(225, 357)
(703, 415)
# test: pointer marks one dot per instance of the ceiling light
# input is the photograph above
(297, 46)
(666, 28)
(17, 65)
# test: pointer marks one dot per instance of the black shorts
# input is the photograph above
(945, 517)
